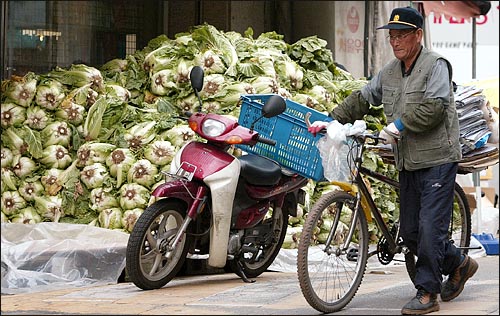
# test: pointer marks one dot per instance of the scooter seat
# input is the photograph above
(258, 170)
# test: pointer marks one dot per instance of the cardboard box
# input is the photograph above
(471, 198)
(489, 193)
(487, 200)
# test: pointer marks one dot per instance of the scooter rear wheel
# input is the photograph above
(269, 252)
(149, 262)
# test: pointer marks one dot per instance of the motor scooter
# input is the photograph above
(231, 211)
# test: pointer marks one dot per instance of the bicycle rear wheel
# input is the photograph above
(460, 224)
(329, 274)
(459, 232)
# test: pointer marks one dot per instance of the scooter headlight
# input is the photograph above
(213, 127)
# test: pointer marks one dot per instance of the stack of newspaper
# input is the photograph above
(474, 130)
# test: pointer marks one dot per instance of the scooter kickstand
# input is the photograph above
(241, 273)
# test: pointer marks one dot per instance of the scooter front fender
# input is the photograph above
(177, 189)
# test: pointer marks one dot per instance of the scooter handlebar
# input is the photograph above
(267, 141)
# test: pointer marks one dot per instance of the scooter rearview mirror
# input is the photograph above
(274, 106)
(196, 77)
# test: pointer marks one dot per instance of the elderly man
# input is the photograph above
(416, 91)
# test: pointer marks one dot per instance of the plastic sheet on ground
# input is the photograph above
(286, 260)
(49, 256)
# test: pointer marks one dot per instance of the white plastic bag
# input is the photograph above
(334, 149)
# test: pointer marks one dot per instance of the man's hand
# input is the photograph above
(317, 126)
(390, 133)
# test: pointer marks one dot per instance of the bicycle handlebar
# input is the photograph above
(375, 136)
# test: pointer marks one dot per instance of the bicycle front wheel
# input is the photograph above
(330, 267)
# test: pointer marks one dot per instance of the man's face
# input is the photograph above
(405, 43)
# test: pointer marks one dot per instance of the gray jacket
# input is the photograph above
(431, 133)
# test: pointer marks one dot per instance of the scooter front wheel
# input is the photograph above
(151, 262)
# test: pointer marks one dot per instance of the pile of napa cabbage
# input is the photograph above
(88, 145)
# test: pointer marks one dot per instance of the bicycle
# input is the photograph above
(330, 271)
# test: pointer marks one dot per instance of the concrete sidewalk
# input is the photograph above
(384, 290)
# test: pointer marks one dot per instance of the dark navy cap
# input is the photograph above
(404, 18)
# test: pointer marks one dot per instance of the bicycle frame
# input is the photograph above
(358, 188)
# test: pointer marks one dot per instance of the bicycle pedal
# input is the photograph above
(352, 254)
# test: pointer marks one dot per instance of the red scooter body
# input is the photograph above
(233, 209)
(267, 194)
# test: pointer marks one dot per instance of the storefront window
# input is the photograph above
(40, 35)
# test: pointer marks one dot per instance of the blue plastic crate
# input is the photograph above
(295, 147)
(489, 243)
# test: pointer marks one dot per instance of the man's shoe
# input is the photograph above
(422, 303)
(454, 285)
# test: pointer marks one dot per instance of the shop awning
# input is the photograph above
(456, 9)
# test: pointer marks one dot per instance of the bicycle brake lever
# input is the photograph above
(308, 123)
(306, 118)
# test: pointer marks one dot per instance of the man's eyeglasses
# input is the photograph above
(400, 37)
